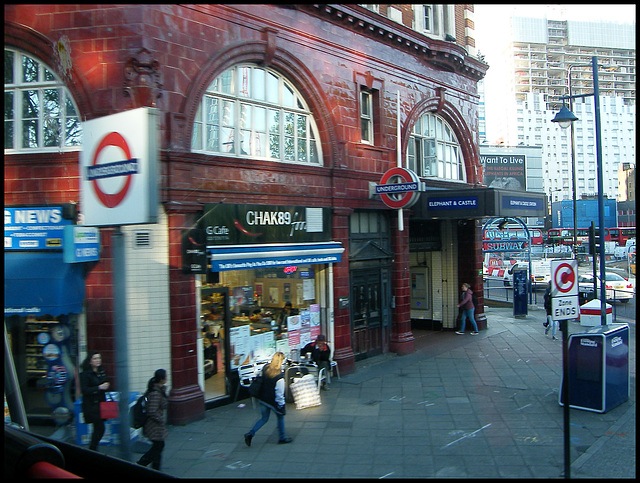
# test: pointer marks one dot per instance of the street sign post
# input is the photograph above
(564, 289)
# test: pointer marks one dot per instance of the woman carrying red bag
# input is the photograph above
(93, 382)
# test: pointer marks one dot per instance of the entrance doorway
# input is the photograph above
(371, 312)
(214, 316)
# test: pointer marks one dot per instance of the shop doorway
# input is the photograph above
(214, 316)
(371, 311)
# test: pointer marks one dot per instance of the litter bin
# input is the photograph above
(598, 367)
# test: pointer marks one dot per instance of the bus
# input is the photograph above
(621, 234)
(564, 236)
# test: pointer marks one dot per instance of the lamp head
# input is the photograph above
(564, 117)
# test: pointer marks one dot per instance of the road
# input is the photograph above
(494, 290)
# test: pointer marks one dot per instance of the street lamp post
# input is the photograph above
(565, 118)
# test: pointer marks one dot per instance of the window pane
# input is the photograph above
(70, 109)
(48, 75)
(245, 137)
(211, 110)
(302, 150)
(259, 85)
(364, 104)
(272, 88)
(274, 146)
(288, 124)
(364, 127)
(287, 96)
(8, 105)
(226, 82)
(289, 149)
(30, 104)
(355, 223)
(73, 131)
(8, 134)
(213, 139)
(245, 116)
(364, 223)
(8, 67)
(373, 222)
(29, 70)
(51, 103)
(259, 118)
(244, 87)
(51, 132)
(302, 126)
(30, 134)
(259, 145)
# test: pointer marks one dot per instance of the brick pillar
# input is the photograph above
(343, 350)
(186, 399)
(402, 340)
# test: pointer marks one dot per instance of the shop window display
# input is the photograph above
(270, 310)
(45, 354)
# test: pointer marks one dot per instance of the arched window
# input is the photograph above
(434, 151)
(39, 112)
(249, 111)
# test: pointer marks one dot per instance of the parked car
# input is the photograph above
(617, 288)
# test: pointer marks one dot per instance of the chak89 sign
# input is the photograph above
(118, 169)
(399, 188)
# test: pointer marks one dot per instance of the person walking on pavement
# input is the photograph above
(271, 398)
(468, 309)
(93, 383)
(155, 428)
(549, 323)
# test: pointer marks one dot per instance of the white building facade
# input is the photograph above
(538, 55)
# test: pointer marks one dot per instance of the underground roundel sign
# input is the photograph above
(399, 188)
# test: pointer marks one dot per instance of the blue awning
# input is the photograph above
(37, 283)
(243, 257)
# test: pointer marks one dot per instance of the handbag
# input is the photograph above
(255, 387)
(305, 392)
(109, 408)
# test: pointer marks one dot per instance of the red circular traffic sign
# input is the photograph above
(565, 277)
(114, 199)
(400, 200)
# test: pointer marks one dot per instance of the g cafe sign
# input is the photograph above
(254, 224)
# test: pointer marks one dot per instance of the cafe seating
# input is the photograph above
(335, 368)
(246, 375)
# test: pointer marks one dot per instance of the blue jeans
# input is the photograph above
(463, 318)
(266, 410)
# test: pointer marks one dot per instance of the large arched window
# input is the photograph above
(434, 151)
(249, 111)
(39, 112)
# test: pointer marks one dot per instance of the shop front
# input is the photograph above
(265, 285)
(44, 293)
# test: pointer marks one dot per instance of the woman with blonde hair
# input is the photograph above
(271, 398)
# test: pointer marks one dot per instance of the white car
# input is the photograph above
(617, 287)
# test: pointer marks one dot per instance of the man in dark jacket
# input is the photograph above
(321, 355)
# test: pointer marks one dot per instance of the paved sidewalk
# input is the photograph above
(482, 406)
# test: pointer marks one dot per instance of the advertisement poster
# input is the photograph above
(314, 315)
(240, 345)
(505, 171)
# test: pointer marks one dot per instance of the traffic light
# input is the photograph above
(594, 240)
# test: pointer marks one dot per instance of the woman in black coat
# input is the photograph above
(93, 382)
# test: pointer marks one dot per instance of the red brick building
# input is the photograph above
(262, 109)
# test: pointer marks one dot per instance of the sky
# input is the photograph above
(490, 17)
